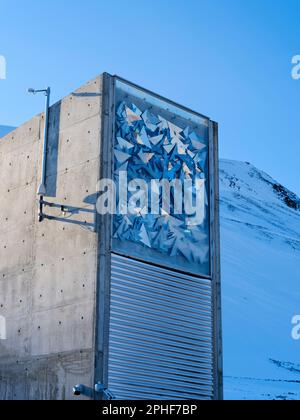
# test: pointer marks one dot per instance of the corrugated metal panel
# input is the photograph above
(161, 333)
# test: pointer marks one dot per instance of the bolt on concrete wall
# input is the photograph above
(48, 270)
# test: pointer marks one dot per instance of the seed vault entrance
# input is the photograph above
(159, 323)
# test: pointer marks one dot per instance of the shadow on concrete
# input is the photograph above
(52, 151)
(91, 199)
(89, 226)
(68, 212)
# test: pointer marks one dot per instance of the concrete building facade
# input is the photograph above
(55, 275)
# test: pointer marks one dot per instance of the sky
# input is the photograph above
(227, 59)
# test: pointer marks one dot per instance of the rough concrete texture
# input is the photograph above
(48, 270)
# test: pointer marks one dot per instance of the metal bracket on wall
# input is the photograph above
(41, 205)
(106, 393)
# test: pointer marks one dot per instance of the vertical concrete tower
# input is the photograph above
(127, 299)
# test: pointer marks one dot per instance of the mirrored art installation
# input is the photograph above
(152, 143)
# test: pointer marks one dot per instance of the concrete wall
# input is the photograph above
(48, 270)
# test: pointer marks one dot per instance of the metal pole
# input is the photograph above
(42, 187)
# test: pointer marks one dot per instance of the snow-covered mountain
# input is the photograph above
(260, 228)
(4, 129)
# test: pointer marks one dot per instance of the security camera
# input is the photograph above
(78, 390)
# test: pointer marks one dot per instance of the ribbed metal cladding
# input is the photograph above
(161, 333)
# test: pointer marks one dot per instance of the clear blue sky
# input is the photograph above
(229, 59)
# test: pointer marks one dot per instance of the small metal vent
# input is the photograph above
(161, 333)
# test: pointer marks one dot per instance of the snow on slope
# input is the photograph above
(4, 129)
(260, 235)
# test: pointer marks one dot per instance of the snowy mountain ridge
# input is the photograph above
(260, 237)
